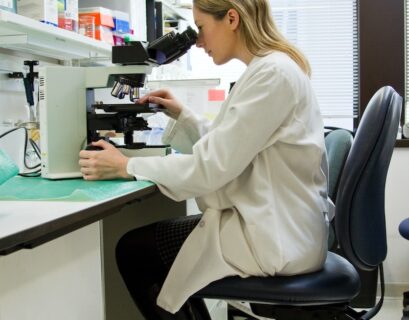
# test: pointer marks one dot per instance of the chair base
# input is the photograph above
(233, 314)
(331, 312)
(405, 311)
(341, 311)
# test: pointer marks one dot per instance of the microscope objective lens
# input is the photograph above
(116, 89)
(126, 89)
(134, 95)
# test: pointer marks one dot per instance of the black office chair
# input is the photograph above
(404, 231)
(360, 226)
(338, 143)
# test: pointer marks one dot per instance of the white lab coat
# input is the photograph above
(256, 175)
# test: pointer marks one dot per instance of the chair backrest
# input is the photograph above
(360, 204)
(338, 142)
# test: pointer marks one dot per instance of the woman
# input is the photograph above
(256, 172)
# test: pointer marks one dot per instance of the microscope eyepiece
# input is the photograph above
(163, 50)
(189, 37)
(172, 45)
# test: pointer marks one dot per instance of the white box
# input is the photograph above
(42, 10)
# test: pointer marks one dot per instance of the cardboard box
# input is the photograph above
(68, 14)
(42, 10)
(104, 34)
(103, 16)
(86, 26)
(119, 39)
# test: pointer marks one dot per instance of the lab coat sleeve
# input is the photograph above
(186, 131)
(253, 115)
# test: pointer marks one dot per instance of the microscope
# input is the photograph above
(71, 117)
(123, 118)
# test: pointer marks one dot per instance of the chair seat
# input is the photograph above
(404, 228)
(337, 282)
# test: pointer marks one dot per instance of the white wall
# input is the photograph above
(397, 208)
(12, 97)
(13, 104)
(60, 279)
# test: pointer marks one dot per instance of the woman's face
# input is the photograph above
(216, 37)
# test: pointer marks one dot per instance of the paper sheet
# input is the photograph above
(21, 188)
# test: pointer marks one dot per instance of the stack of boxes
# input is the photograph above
(96, 22)
(121, 27)
(110, 26)
(103, 22)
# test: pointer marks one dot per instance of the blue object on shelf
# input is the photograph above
(121, 26)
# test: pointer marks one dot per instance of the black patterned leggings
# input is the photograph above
(144, 257)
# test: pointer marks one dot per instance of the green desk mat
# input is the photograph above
(22, 188)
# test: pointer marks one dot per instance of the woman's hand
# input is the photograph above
(166, 99)
(108, 163)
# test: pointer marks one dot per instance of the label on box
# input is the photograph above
(71, 9)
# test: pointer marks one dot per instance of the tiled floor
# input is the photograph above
(391, 310)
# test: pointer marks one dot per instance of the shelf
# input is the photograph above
(173, 11)
(30, 36)
(205, 82)
(185, 4)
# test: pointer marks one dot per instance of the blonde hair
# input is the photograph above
(257, 27)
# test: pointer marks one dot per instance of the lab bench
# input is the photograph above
(70, 271)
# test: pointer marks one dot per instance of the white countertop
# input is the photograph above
(26, 224)
(16, 216)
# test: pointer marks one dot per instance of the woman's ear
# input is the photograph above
(233, 18)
